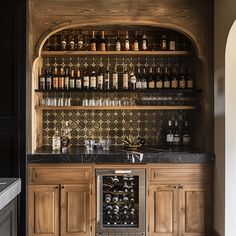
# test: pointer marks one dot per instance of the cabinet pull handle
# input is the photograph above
(180, 186)
(62, 187)
(56, 187)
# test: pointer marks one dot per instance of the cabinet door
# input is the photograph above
(75, 210)
(194, 210)
(162, 210)
(43, 210)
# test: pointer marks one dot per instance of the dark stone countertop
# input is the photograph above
(119, 155)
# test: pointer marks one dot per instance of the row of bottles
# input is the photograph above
(177, 137)
(99, 41)
(146, 78)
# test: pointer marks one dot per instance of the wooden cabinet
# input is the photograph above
(178, 205)
(60, 208)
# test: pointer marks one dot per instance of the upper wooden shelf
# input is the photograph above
(115, 107)
(114, 53)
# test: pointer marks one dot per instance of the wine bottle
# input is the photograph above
(186, 134)
(93, 43)
(127, 43)
(56, 141)
(144, 79)
(172, 43)
(93, 80)
(61, 79)
(182, 79)
(169, 134)
(176, 137)
(49, 78)
(159, 81)
(100, 78)
(163, 42)
(80, 41)
(63, 42)
(190, 83)
(125, 78)
(72, 43)
(42, 80)
(166, 79)
(151, 81)
(78, 80)
(107, 78)
(115, 78)
(135, 43)
(66, 79)
(72, 79)
(118, 44)
(55, 79)
(144, 42)
(86, 79)
(139, 80)
(133, 80)
(174, 79)
(102, 43)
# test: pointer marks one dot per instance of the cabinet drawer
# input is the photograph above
(179, 174)
(59, 174)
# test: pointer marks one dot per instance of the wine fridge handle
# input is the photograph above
(98, 197)
(122, 171)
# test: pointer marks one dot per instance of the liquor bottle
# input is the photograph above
(55, 79)
(65, 136)
(172, 43)
(80, 42)
(78, 80)
(144, 42)
(169, 134)
(93, 80)
(118, 44)
(49, 79)
(125, 78)
(107, 78)
(166, 79)
(100, 78)
(139, 80)
(163, 42)
(176, 138)
(133, 80)
(144, 79)
(93, 44)
(72, 43)
(135, 43)
(159, 81)
(127, 43)
(42, 80)
(190, 83)
(174, 79)
(86, 79)
(66, 79)
(63, 42)
(182, 79)
(115, 78)
(56, 141)
(186, 134)
(102, 43)
(151, 80)
(108, 198)
(72, 80)
(61, 79)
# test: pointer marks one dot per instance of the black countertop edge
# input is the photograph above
(121, 156)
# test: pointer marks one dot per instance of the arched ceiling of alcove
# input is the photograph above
(189, 14)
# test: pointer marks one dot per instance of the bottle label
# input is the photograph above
(72, 45)
(127, 45)
(72, 83)
(100, 80)
(169, 138)
(174, 84)
(167, 84)
(163, 44)
(86, 81)
(190, 84)
(125, 81)
(172, 45)
(103, 47)
(176, 139)
(159, 84)
(56, 143)
(138, 85)
(144, 45)
(115, 81)
(186, 139)
(118, 46)
(93, 82)
(79, 84)
(136, 46)
(80, 44)
(49, 83)
(182, 83)
(93, 47)
(61, 82)
(151, 84)
(55, 82)
(144, 84)
(133, 79)
(66, 82)
(63, 45)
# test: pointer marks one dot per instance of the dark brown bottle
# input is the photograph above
(93, 43)
(61, 79)
(102, 43)
(174, 79)
(42, 80)
(159, 80)
(55, 79)
(86, 79)
(49, 79)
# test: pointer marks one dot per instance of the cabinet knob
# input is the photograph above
(56, 187)
(62, 187)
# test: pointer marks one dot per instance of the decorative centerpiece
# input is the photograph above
(132, 142)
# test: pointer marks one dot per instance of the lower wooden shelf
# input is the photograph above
(115, 107)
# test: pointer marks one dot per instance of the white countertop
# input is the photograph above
(9, 189)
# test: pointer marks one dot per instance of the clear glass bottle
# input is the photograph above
(42, 80)
(100, 79)
(115, 78)
(107, 78)
(125, 78)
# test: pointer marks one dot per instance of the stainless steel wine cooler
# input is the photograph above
(120, 202)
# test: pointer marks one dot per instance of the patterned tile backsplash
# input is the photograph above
(112, 124)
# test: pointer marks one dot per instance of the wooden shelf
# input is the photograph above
(115, 107)
(114, 53)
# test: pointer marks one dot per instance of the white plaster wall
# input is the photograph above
(224, 16)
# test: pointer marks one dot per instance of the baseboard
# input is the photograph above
(216, 233)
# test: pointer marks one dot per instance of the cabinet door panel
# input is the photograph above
(75, 210)
(43, 210)
(163, 202)
(194, 210)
